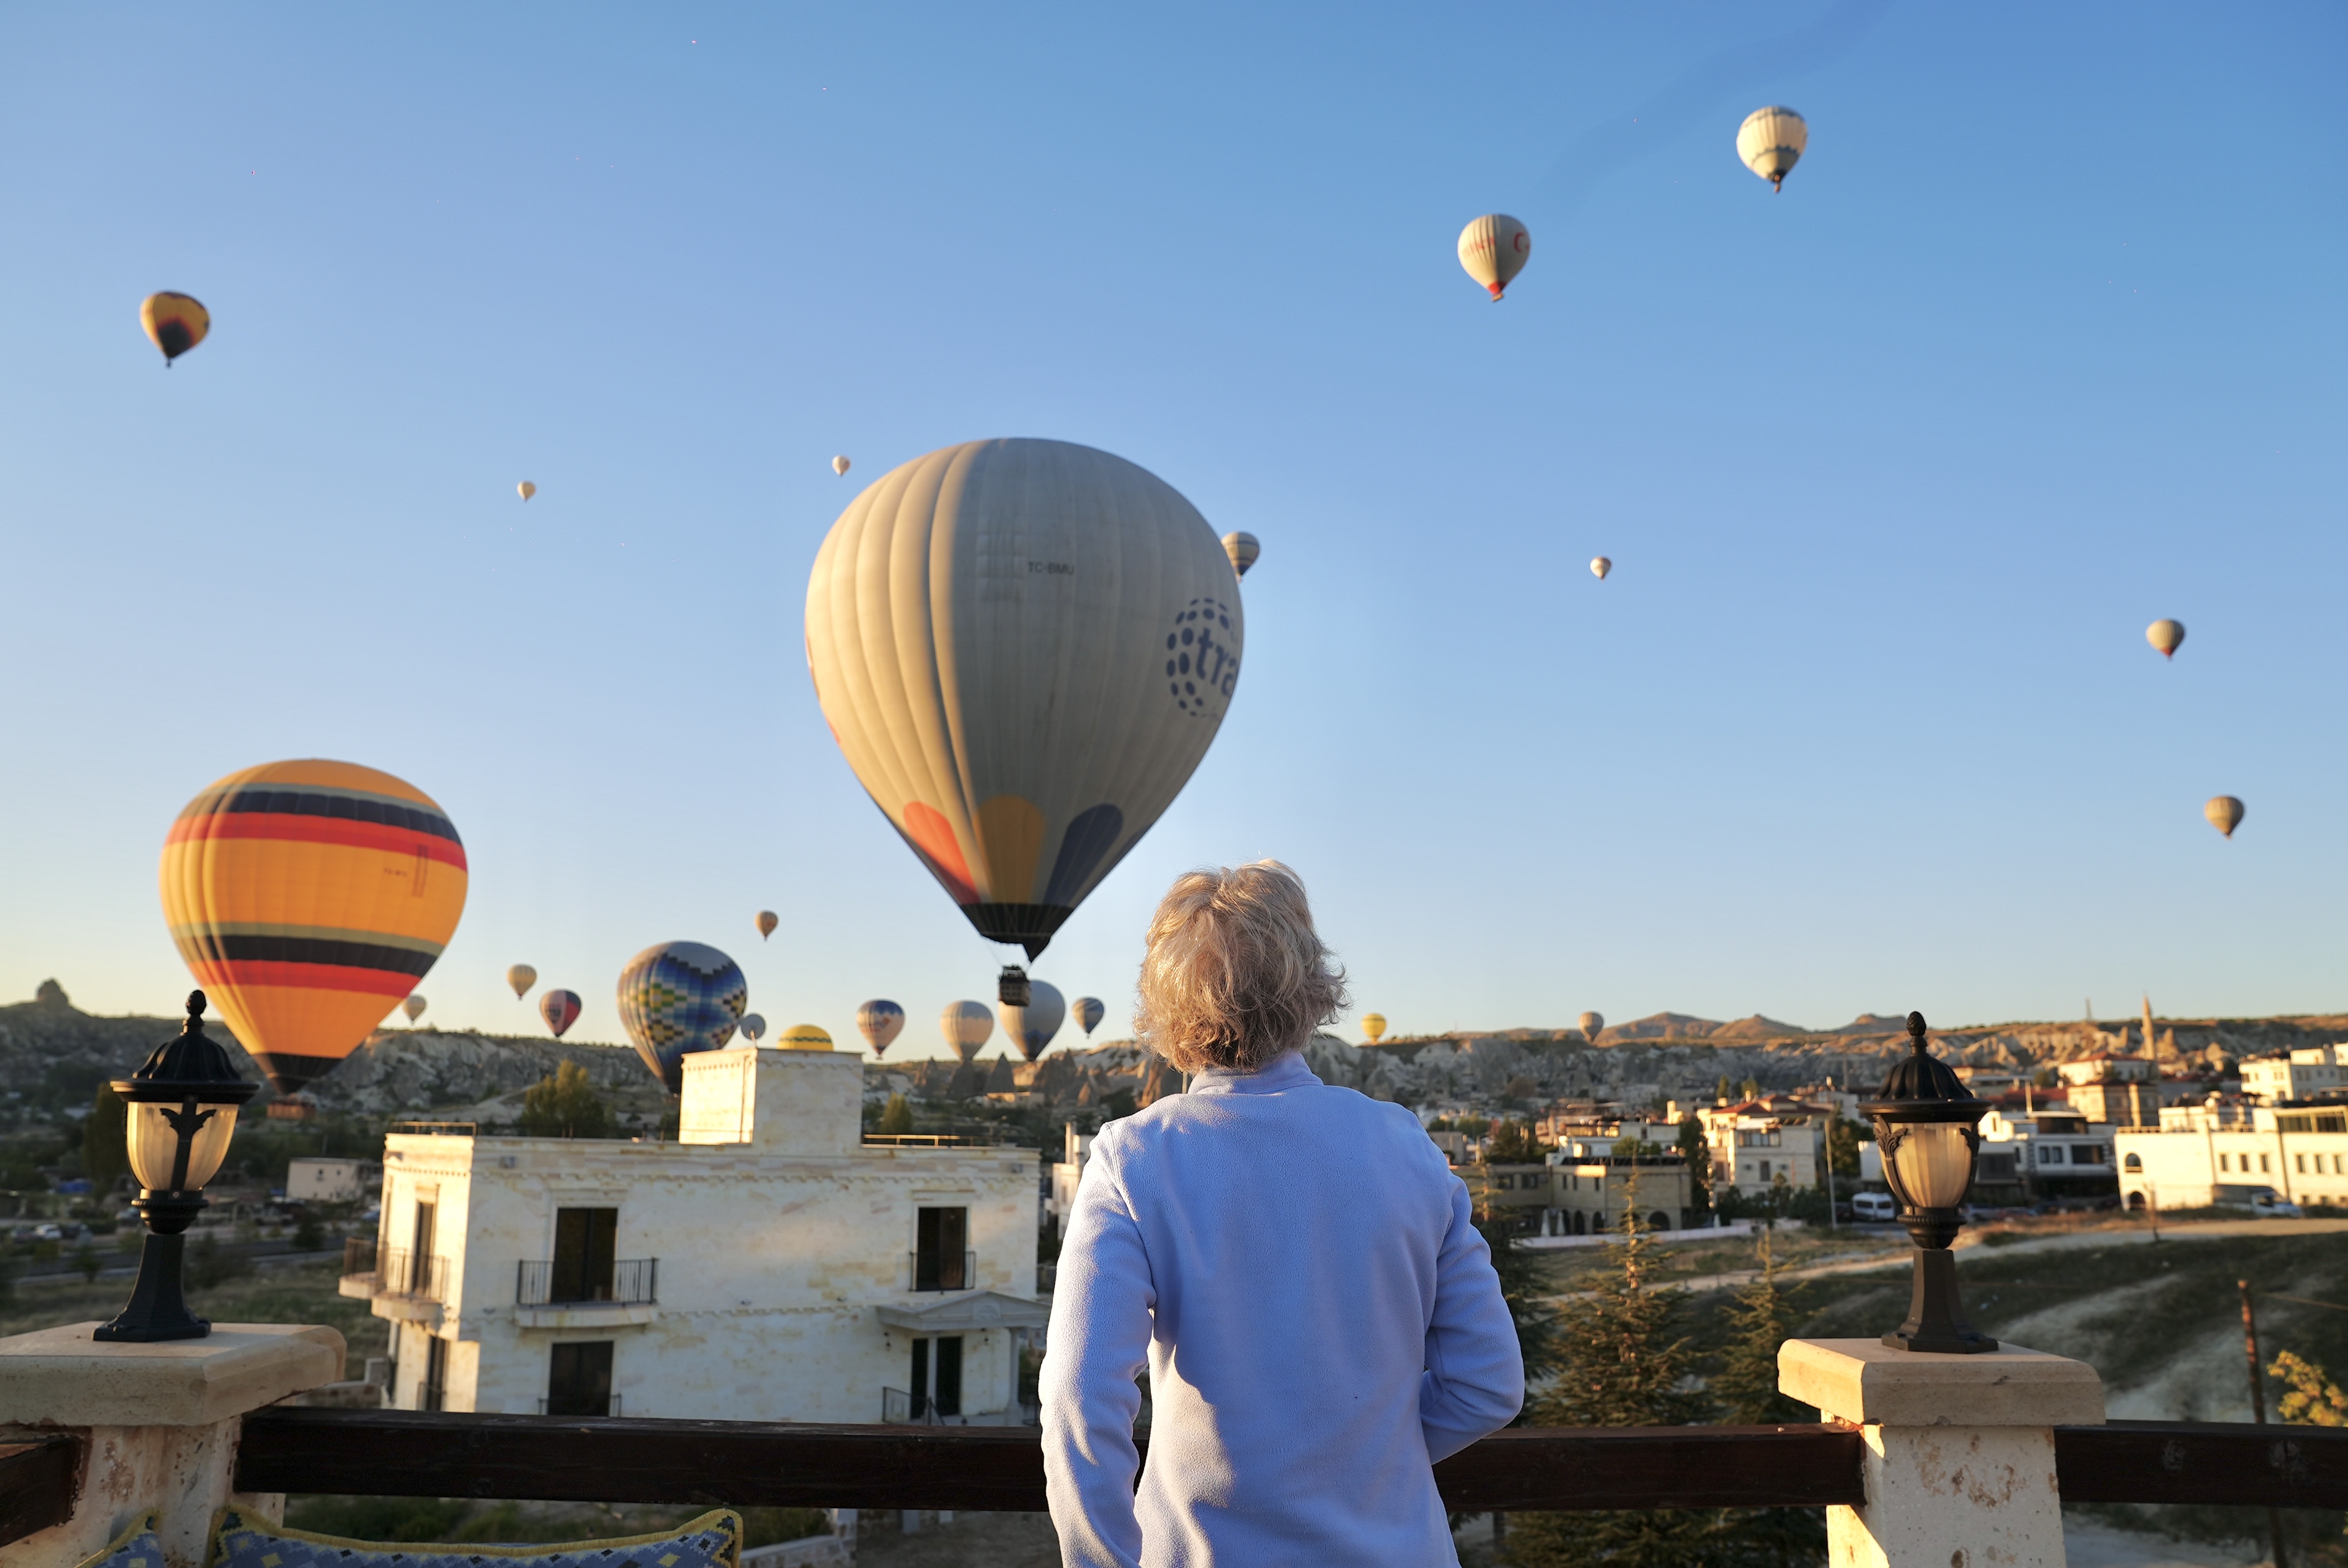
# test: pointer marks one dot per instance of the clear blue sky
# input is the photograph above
(2044, 340)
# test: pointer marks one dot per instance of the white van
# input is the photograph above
(1876, 1208)
(2263, 1202)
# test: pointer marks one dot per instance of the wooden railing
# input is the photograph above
(399, 1453)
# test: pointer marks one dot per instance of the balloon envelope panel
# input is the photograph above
(1024, 648)
(308, 898)
(679, 997)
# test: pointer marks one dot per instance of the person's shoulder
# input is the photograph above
(1381, 1119)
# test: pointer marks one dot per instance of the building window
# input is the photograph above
(1505, 1183)
(585, 1242)
(1765, 1170)
(420, 1252)
(2134, 1162)
(432, 1393)
(2221, 1163)
(2337, 1168)
(940, 1261)
(2302, 1164)
(937, 1377)
(2264, 1169)
(578, 1379)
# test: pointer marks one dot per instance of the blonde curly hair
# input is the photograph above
(1235, 973)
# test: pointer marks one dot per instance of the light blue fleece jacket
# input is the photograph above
(1295, 1267)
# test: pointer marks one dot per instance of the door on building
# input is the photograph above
(578, 1379)
(432, 1394)
(937, 1378)
(420, 1252)
(941, 1255)
(584, 1241)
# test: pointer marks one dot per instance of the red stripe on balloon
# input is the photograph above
(288, 829)
(241, 973)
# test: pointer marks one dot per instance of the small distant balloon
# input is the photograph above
(527, 489)
(1089, 1012)
(768, 921)
(560, 1009)
(175, 323)
(880, 1022)
(839, 465)
(2225, 814)
(966, 1026)
(1771, 141)
(805, 1037)
(1374, 1024)
(2168, 636)
(1590, 1024)
(414, 1006)
(1243, 548)
(521, 977)
(752, 1028)
(1494, 249)
(1600, 566)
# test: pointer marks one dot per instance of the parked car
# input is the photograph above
(1873, 1208)
(2264, 1203)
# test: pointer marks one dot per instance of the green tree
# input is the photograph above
(85, 1260)
(564, 1105)
(1843, 1138)
(1697, 1152)
(105, 1139)
(1762, 1318)
(896, 1118)
(1627, 1364)
(1528, 1296)
(1752, 1089)
(1512, 1144)
(1721, 1091)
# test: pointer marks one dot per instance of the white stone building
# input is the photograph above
(328, 1181)
(2224, 1152)
(2045, 1150)
(2303, 1075)
(1757, 1141)
(769, 1266)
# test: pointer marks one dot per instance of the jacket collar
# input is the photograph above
(1286, 1071)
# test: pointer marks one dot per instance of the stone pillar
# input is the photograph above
(160, 1425)
(1960, 1450)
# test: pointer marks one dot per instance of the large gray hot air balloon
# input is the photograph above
(1022, 647)
(1031, 1027)
(966, 1026)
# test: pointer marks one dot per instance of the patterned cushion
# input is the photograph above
(242, 1540)
(133, 1548)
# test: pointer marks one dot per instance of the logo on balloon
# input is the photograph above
(1200, 662)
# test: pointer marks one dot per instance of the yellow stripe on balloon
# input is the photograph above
(1010, 840)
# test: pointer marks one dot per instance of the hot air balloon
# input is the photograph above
(2168, 636)
(1600, 566)
(1770, 141)
(176, 323)
(307, 897)
(1089, 1012)
(768, 921)
(2225, 814)
(679, 997)
(880, 1022)
(527, 489)
(1031, 1027)
(1374, 1024)
(839, 465)
(413, 1007)
(752, 1026)
(1243, 548)
(966, 1026)
(1022, 647)
(560, 1009)
(1494, 249)
(1590, 1024)
(805, 1037)
(521, 977)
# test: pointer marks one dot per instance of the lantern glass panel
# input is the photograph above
(155, 1145)
(1933, 1165)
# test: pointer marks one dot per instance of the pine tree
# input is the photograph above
(1621, 1362)
(1763, 1317)
(1698, 1155)
(896, 1118)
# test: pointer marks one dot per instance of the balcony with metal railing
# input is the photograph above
(630, 1281)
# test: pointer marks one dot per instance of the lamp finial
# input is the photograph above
(195, 1014)
(1916, 1031)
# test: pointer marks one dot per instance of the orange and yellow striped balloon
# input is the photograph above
(309, 897)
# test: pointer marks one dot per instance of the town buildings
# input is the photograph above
(2043, 1153)
(2223, 1152)
(1760, 1145)
(2301, 1075)
(772, 1264)
(327, 1181)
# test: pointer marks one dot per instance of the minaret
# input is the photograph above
(2148, 1050)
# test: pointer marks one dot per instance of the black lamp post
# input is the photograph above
(183, 1104)
(1925, 1128)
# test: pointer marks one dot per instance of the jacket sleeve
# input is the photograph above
(1098, 1344)
(1475, 1379)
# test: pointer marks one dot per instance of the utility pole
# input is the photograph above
(2259, 1407)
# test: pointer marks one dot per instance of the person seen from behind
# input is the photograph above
(1292, 1265)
